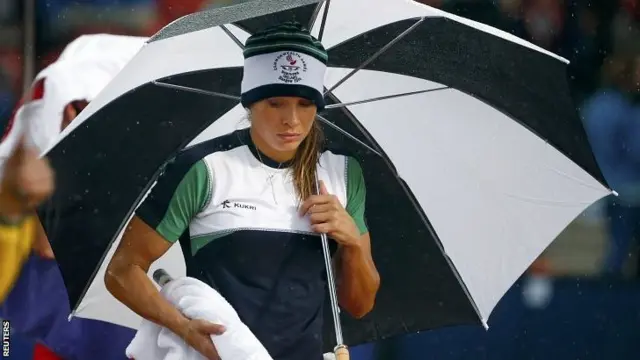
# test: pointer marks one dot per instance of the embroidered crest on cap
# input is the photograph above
(291, 66)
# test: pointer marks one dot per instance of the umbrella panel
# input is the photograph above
(419, 290)
(529, 86)
(95, 201)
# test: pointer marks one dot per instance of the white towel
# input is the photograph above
(196, 300)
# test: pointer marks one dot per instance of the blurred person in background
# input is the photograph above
(27, 180)
(626, 27)
(543, 22)
(6, 98)
(610, 116)
(588, 44)
(58, 95)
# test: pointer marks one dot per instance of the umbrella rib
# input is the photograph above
(196, 91)
(337, 128)
(376, 54)
(386, 97)
(348, 114)
(325, 15)
(315, 14)
(233, 37)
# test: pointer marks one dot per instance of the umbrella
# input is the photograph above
(472, 151)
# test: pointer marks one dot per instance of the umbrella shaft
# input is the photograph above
(333, 297)
(335, 309)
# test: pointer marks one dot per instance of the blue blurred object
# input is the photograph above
(610, 117)
(585, 319)
(21, 348)
(6, 107)
(38, 309)
(607, 116)
(51, 8)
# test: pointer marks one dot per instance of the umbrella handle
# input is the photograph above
(161, 277)
(341, 352)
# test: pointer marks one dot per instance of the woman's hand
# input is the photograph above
(328, 216)
(197, 334)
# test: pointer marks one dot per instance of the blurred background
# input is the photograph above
(581, 299)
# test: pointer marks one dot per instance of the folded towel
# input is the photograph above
(196, 300)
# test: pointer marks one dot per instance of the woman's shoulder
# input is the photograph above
(200, 151)
(342, 162)
(337, 155)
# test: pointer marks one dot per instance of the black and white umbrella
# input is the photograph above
(473, 154)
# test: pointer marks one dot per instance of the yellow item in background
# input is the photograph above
(15, 246)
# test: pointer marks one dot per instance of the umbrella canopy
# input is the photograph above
(472, 152)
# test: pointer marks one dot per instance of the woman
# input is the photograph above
(244, 203)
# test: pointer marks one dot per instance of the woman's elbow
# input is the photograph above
(360, 308)
(115, 275)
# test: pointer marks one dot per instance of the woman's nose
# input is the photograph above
(292, 118)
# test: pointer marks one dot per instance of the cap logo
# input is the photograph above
(291, 66)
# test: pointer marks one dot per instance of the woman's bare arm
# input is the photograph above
(126, 277)
(358, 278)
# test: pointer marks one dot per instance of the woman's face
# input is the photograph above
(282, 123)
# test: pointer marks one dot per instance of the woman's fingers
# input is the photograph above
(326, 207)
(211, 328)
(322, 217)
(315, 201)
(324, 228)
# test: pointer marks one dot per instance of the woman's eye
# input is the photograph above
(273, 103)
(305, 103)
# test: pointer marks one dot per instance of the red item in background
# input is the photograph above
(633, 7)
(41, 352)
(170, 10)
(11, 64)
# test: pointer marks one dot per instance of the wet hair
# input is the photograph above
(305, 162)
